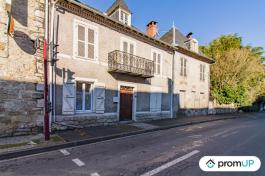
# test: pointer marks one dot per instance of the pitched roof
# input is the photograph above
(179, 37)
(78, 1)
(134, 31)
(118, 4)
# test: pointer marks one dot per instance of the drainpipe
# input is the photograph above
(51, 67)
(172, 87)
(173, 73)
(46, 126)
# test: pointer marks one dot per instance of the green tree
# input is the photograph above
(238, 73)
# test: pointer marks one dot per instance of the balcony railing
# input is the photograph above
(123, 62)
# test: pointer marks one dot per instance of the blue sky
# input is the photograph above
(207, 19)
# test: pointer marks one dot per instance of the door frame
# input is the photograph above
(120, 84)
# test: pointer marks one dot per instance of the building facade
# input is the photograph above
(108, 71)
(102, 69)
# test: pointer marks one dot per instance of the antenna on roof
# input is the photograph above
(174, 34)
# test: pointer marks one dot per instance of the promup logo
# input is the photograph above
(210, 163)
(230, 163)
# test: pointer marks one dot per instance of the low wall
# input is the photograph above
(215, 108)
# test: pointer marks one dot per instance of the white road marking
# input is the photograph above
(65, 152)
(171, 163)
(94, 174)
(78, 162)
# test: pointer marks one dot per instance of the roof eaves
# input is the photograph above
(165, 44)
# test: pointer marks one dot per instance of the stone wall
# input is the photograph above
(215, 108)
(21, 68)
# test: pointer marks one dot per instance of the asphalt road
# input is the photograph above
(173, 152)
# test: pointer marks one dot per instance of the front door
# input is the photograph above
(126, 102)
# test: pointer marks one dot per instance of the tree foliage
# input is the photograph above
(238, 75)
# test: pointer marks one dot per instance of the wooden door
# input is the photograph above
(126, 102)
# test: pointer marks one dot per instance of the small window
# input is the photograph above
(124, 17)
(183, 67)
(85, 46)
(202, 72)
(83, 96)
(157, 63)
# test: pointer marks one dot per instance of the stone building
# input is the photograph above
(105, 70)
(21, 69)
(109, 71)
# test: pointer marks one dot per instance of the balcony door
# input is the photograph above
(128, 52)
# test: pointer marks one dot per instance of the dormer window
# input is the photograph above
(120, 12)
(124, 17)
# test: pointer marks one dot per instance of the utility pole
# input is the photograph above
(46, 90)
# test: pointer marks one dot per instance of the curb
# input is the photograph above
(39, 150)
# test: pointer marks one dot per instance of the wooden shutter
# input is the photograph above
(81, 41)
(125, 47)
(155, 64)
(181, 66)
(158, 63)
(131, 49)
(185, 67)
(100, 98)
(91, 43)
(155, 99)
(68, 98)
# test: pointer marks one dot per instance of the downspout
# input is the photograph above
(173, 74)
(172, 87)
(52, 70)
(46, 126)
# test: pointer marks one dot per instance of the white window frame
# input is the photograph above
(155, 64)
(89, 81)
(123, 20)
(202, 72)
(183, 68)
(129, 41)
(75, 40)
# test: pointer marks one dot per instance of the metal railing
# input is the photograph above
(122, 62)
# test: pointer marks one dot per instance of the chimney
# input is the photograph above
(152, 29)
(189, 36)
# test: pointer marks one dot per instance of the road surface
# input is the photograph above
(173, 152)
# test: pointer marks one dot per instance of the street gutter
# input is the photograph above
(40, 150)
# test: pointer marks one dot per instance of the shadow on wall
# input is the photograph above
(20, 11)
(24, 42)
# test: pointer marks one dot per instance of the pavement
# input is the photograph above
(123, 128)
(175, 151)
(25, 145)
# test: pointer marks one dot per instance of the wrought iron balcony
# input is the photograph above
(122, 62)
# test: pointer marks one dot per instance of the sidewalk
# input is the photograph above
(26, 145)
(102, 131)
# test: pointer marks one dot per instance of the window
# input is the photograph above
(157, 63)
(115, 15)
(155, 99)
(85, 41)
(183, 68)
(182, 99)
(83, 96)
(124, 17)
(202, 100)
(202, 72)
